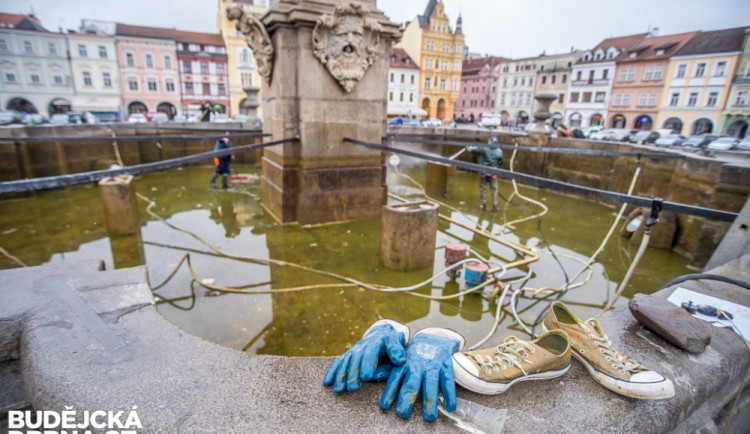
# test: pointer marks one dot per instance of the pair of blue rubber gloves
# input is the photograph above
(386, 352)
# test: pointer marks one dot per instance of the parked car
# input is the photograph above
(9, 117)
(137, 118)
(220, 118)
(744, 144)
(723, 144)
(33, 119)
(489, 120)
(432, 122)
(597, 135)
(670, 140)
(159, 117)
(588, 131)
(413, 122)
(59, 119)
(532, 126)
(240, 118)
(647, 136)
(618, 134)
(699, 140)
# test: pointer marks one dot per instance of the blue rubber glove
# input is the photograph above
(429, 366)
(360, 362)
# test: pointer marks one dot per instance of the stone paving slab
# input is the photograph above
(181, 383)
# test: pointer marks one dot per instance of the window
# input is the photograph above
(674, 100)
(700, 69)
(623, 75)
(403, 78)
(553, 79)
(561, 98)
(578, 75)
(221, 68)
(51, 49)
(454, 85)
(27, 47)
(651, 99)
(626, 99)
(605, 74)
(747, 69)
(107, 79)
(206, 88)
(102, 52)
(189, 88)
(599, 97)
(630, 75)
(721, 68)
(151, 83)
(681, 71)
(149, 61)
(87, 79)
(442, 84)
(544, 79)
(244, 56)
(411, 97)
(247, 79)
(169, 85)
(401, 97)
(10, 75)
(222, 89)
(574, 97)
(657, 72)
(564, 78)
(412, 79)
(618, 100)
(34, 77)
(133, 84)
(4, 45)
(428, 63)
(167, 61)
(692, 99)
(391, 77)
(82, 52)
(187, 66)
(427, 83)
(713, 97)
(531, 81)
(648, 74)
(57, 78)
(642, 99)
(130, 60)
(741, 98)
(586, 97)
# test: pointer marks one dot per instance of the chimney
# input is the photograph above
(655, 31)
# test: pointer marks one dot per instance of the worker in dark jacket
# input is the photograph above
(489, 156)
(222, 163)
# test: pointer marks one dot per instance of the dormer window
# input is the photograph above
(660, 52)
(633, 55)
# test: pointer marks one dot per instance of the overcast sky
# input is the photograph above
(497, 27)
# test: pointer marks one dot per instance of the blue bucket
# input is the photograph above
(475, 273)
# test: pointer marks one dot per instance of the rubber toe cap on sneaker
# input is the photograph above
(647, 377)
(463, 363)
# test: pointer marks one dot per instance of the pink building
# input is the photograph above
(640, 80)
(203, 69)
(148, 69)
(479, 80)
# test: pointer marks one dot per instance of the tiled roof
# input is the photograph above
(22, 22)
(473, 66)
(144, 32)
(424, 19)
(399, 59)
(621, 43)
(647, 48)
(198, 38)
(717, 41)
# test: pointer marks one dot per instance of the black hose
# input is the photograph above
(705, 276)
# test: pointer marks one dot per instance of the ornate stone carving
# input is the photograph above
(257, 39)
(347, 43)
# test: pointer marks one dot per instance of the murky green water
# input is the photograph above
(66, 226)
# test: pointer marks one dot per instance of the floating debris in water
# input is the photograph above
(10, 231)
(153, 189)
(313, 244)
(208, 281)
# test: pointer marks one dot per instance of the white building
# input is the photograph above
(36, 75)
(403, 86)
(96, 75)
(515, 97)
(591, 85)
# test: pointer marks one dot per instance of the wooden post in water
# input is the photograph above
(441, 180)
(408, 235)
(120, 209)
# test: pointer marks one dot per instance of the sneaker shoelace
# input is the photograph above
(618, 360)
(512, 352)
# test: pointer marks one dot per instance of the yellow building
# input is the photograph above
(699, 79)
(240, 62)
(440, 51)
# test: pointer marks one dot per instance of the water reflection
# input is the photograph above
(68, 225)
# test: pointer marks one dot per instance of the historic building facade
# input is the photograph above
(202, 60)
(479, 79)
(403, 86)
(736, 115)
(700, 75)
(639, 80)
(440, 51)
(242, 71)
(148, 70)
(553, 76)
(96, 75)
(36, 75)
(591, 82)
(516, 86)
